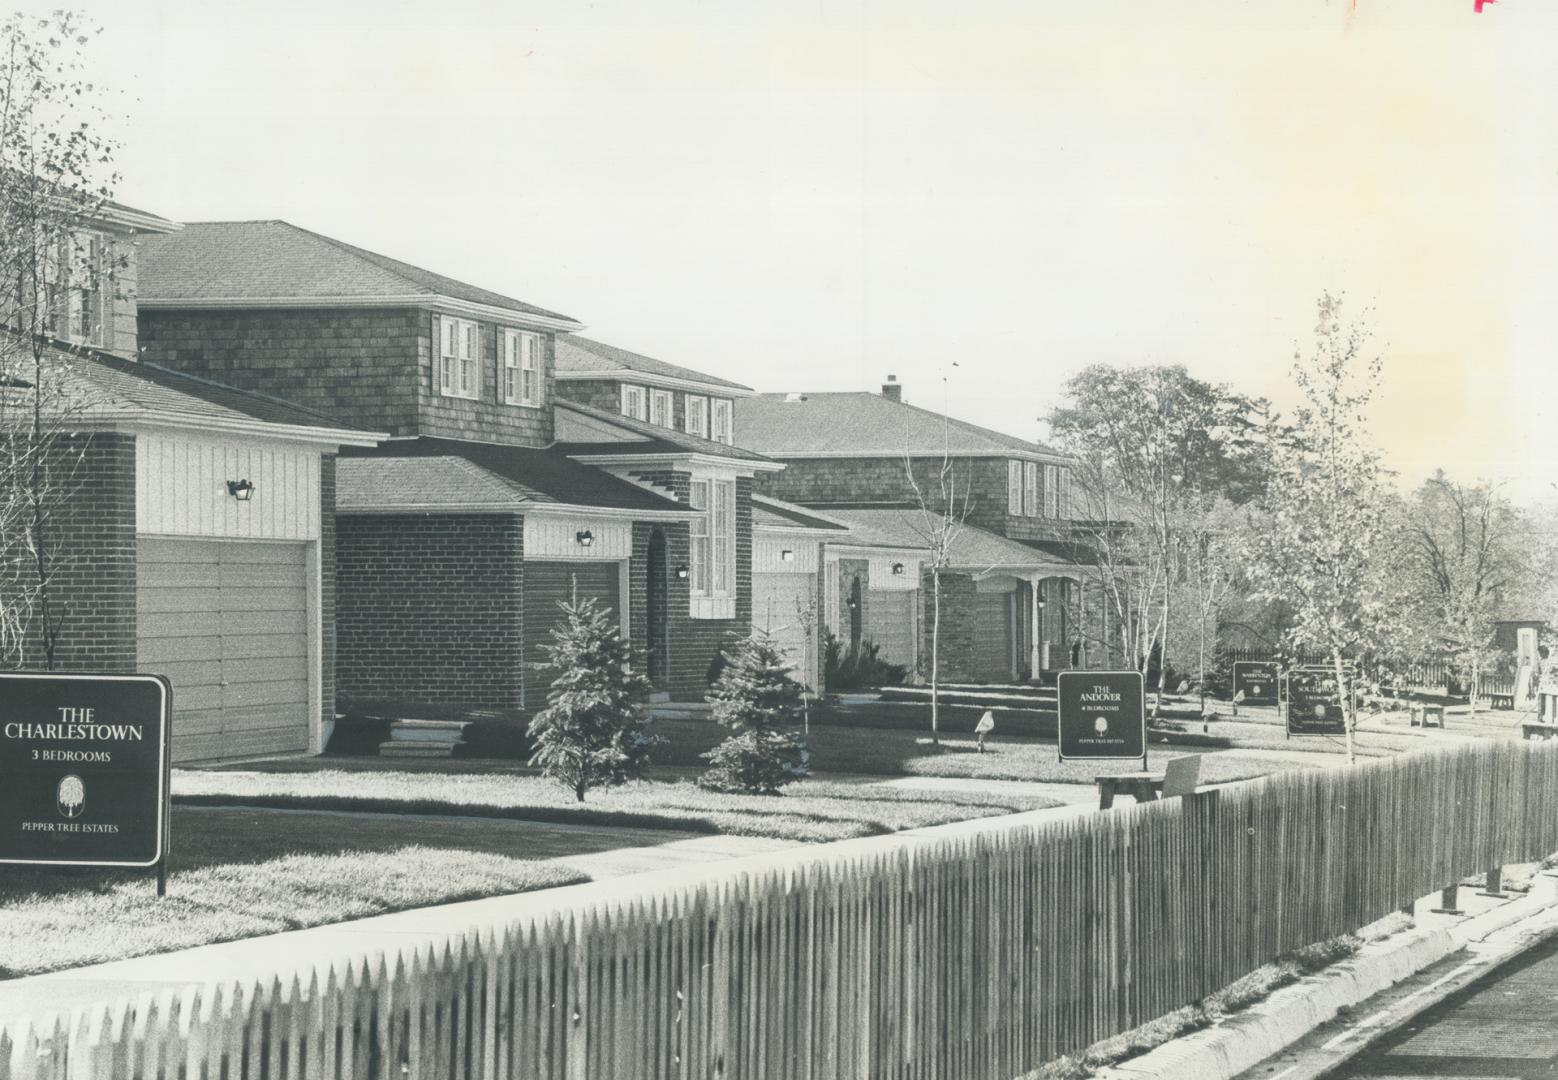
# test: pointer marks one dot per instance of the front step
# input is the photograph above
(680, 710)
(423, 738)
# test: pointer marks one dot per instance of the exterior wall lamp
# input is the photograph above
(681, 572)
(787, 555)
(242, 490)
(898, 569)
(584, 538)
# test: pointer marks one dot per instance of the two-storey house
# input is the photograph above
(189, 524)
(1010, 602)
(495, 498)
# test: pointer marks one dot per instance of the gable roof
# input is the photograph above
(585, 430)
(973, 550)
(861, 424)
(771, 513)
(104, 387)
(216, 264)
(425, 472)
(581, 358)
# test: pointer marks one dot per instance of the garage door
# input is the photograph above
(993, 636)
(778, 601)
(548, 584)
(893, 626)
(227, 622)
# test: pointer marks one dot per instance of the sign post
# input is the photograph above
(1103, 715)
(1254, 683)
(84, 770)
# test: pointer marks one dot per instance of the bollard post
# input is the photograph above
(1409, 909)
(1495, 883)
(1447, 900)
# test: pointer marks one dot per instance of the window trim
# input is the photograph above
(515, 355)
(669, 399)
(701, 401)
(1052, 491)
(718, 406)
(711, 549)
(68, 282)
(642, 395)
(452, 378)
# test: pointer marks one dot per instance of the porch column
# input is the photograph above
(1036, 661)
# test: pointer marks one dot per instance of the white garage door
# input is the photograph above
(227, 622)
(778, 601)
(892, 624)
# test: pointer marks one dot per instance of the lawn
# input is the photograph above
(235, 874)
(812, 810)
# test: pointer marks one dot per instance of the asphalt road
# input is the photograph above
(1504, 1026)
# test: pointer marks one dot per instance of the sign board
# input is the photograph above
(1257, 680)
(1102, 714)
(84, 769)
(1314, 703)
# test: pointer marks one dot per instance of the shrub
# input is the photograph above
(593, 731)
(756, 699)
(859, 668)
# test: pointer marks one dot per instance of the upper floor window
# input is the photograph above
(521, 367)
(697, 415)
(1052, 491)
(76, 303)
(1030, 488)
(711, 554)
(1014, 488)
(720, 429)
(660, 408)
(459, 363)
(634, 402)
(1062, 492)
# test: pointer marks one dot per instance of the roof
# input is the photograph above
(860, 424)
(140, 220)
(108, 387)
(428, 473)
(768, 512)
(973, 549)
(579, 357)
(584, 429)
(270, 263)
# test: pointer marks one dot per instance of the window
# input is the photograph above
(1063, 498)
(1030, 488)
(711, 553)
(697, 416)
(459, 364)
(521, 367)
(1051, 491)
(634, 403)
(74, 298)
(722, 430)
(660, 409)
(1014, 487)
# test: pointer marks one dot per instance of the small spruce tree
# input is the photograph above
(756, 699)
(593, 731)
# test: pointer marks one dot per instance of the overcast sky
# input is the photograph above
(807, 196)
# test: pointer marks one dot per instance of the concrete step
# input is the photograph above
(680, 710)
(416, 749)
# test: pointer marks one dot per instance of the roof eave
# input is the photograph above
(665, 382)
(1048, 458)
(432, 301)
(660, 457)
(141, 417)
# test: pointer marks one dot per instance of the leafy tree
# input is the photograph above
(593, 731)
(756, 699)
(1322, 547)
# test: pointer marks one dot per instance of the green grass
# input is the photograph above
(237, 875)
(812, 810)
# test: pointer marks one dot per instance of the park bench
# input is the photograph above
(1538, 729)
(1421, 714)
(1500, 700)
(1179, 777)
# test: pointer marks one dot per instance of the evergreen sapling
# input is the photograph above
(756, 698)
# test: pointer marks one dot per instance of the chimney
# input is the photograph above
(892, 390)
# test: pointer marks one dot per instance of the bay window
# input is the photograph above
(521, 368)
(459, 363)
(711, 552)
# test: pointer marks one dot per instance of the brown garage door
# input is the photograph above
(993, 636)
(227, 622)
(893, 626)
(548, 584)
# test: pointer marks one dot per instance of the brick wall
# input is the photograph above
(358, 366)
(327, 586)
(429, 608)
(90, 531)
(956, 636)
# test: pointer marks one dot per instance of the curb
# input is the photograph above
(1244, 1040)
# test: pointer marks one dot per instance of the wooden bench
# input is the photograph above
(1422, 713)
(1500, 701)
(1179, 777)
(1538, 729)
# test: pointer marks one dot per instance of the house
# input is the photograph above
(504, 487)
(1012, 605)
(790, 581)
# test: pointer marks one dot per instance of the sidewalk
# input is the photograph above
(673, 860)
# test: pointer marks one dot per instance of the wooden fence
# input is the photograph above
(977, 955)
(1427, 674)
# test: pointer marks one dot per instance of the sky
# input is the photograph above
(979, 197)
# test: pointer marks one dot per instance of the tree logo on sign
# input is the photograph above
(1101, 725)
(71, 797)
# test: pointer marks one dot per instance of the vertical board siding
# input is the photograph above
(768, 554)
(181, 488)
(975, 956)
(557, 537)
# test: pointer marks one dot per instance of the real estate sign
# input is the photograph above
(1102, 714)
(1256, 680)
(1314, 703)
(83, 769)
